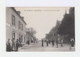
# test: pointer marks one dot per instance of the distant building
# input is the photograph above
(15, 26)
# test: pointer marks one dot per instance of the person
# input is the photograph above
(47, 42)
(72, 42)
(57, 43)
(61, 43)
(28, 42)
(52, 42)
(42, 43)
(17, 44)
(13, 45)
(8, 47)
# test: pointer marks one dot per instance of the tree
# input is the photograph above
(67, 26)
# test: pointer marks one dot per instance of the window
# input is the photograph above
(13, 35)
(20, 25)
(13, 20)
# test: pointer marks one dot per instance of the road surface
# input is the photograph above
(38, 47)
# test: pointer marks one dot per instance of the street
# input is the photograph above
(41, 29)
(38, 47)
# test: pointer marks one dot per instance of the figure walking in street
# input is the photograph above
(52, 42)
(71, 43)
(47, 42)
(17, 44)
(28, 42)
(57, 43)
(61, 43)
(42, 43)
(13, 44)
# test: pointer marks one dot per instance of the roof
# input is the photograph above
(18, 14)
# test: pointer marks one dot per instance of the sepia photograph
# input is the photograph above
(40, 29)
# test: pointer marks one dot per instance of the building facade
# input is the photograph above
(15, 26)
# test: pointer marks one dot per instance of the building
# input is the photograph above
(15, 26)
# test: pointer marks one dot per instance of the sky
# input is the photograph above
(42, 19)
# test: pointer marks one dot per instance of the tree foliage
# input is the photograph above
(67, 25)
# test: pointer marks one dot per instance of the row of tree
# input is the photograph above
(67, 26)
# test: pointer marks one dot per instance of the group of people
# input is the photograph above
(47, 42)
(12, 45)
(72, 43)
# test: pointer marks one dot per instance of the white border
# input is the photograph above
(41, 3)
(30, 3)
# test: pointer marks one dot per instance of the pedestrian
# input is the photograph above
(42, 43)
(72, 42)
(52, 42)
(47, 42)
(28, 42)
(13, 44)
(61, 43)
(17, 44)
(8, 46)
(57, 43)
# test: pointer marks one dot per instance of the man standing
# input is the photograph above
(8, 47)
(47, 42)
(61, 43)
(17, 44)
(57, 43)
(13, 44)
(52, 42)
(71, 43)
(42, 43)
